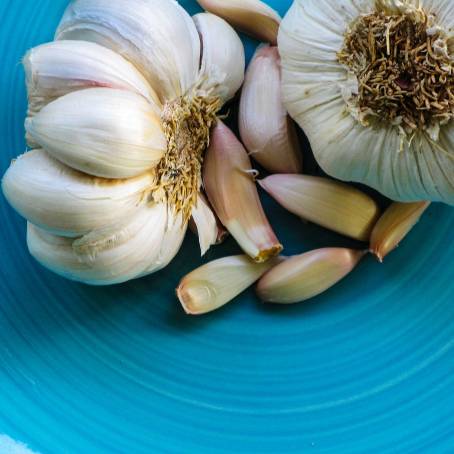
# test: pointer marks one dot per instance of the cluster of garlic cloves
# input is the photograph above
(128, 149)
(371, 84)
(121, 107)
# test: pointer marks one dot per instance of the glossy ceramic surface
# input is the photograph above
(367, 367)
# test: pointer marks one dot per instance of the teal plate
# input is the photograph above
(366, 367)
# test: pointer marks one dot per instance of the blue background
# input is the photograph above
(367, 367)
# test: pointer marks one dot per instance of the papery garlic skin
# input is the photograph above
(266, 130)
(67, 202)
(223, 59)
(109, 256)
(331, 204)
(315, 89)
(55, 69)
(172, 240)
(233, 194)
(213, 285)
(253, 17)
(395, 223)
(205, 223)
(101, 131)
(302, 277)
(157, 36)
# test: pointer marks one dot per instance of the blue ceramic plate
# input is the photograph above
(367, 367)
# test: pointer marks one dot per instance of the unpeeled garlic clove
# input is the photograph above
(395, 223)
(215, 284)
(250, 16)
(170, 245)
(333, 205)
(302, 277)
(61, 67)
(223, 59)
(101, 131)
(67, 202)
(205, 224)
(234, 197)
(157, 36)
(109, 256)
(266, 130)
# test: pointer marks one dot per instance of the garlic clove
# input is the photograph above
(109, 256)
(395, 223)
(67, 202)
(333, 205)
(170, 245)
(215, 284)
(250, 16)
(205, 224)
(266, 130)
(61, 67)
(101, 131)
(302, 277)
(234, 197)
(156, 36)
(223, 61)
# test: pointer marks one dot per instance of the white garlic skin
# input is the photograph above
(314, 82)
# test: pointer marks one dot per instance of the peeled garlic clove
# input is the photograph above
(234, 197)
(67, 202)
(266, 130)
(109, 256)
(101, 131)
(223, 59)
(395, 223)
(333, 205)
(215, 284)
(205, 224)
(61, 67)
(156, 36)
(251, 16)
(305, 276)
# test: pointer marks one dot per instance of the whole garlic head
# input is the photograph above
(121, 106)
(371, 82)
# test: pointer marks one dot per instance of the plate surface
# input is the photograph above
(367, 367)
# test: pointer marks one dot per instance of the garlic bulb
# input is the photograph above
(371, 83)
(266, 130)
(121, 107)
